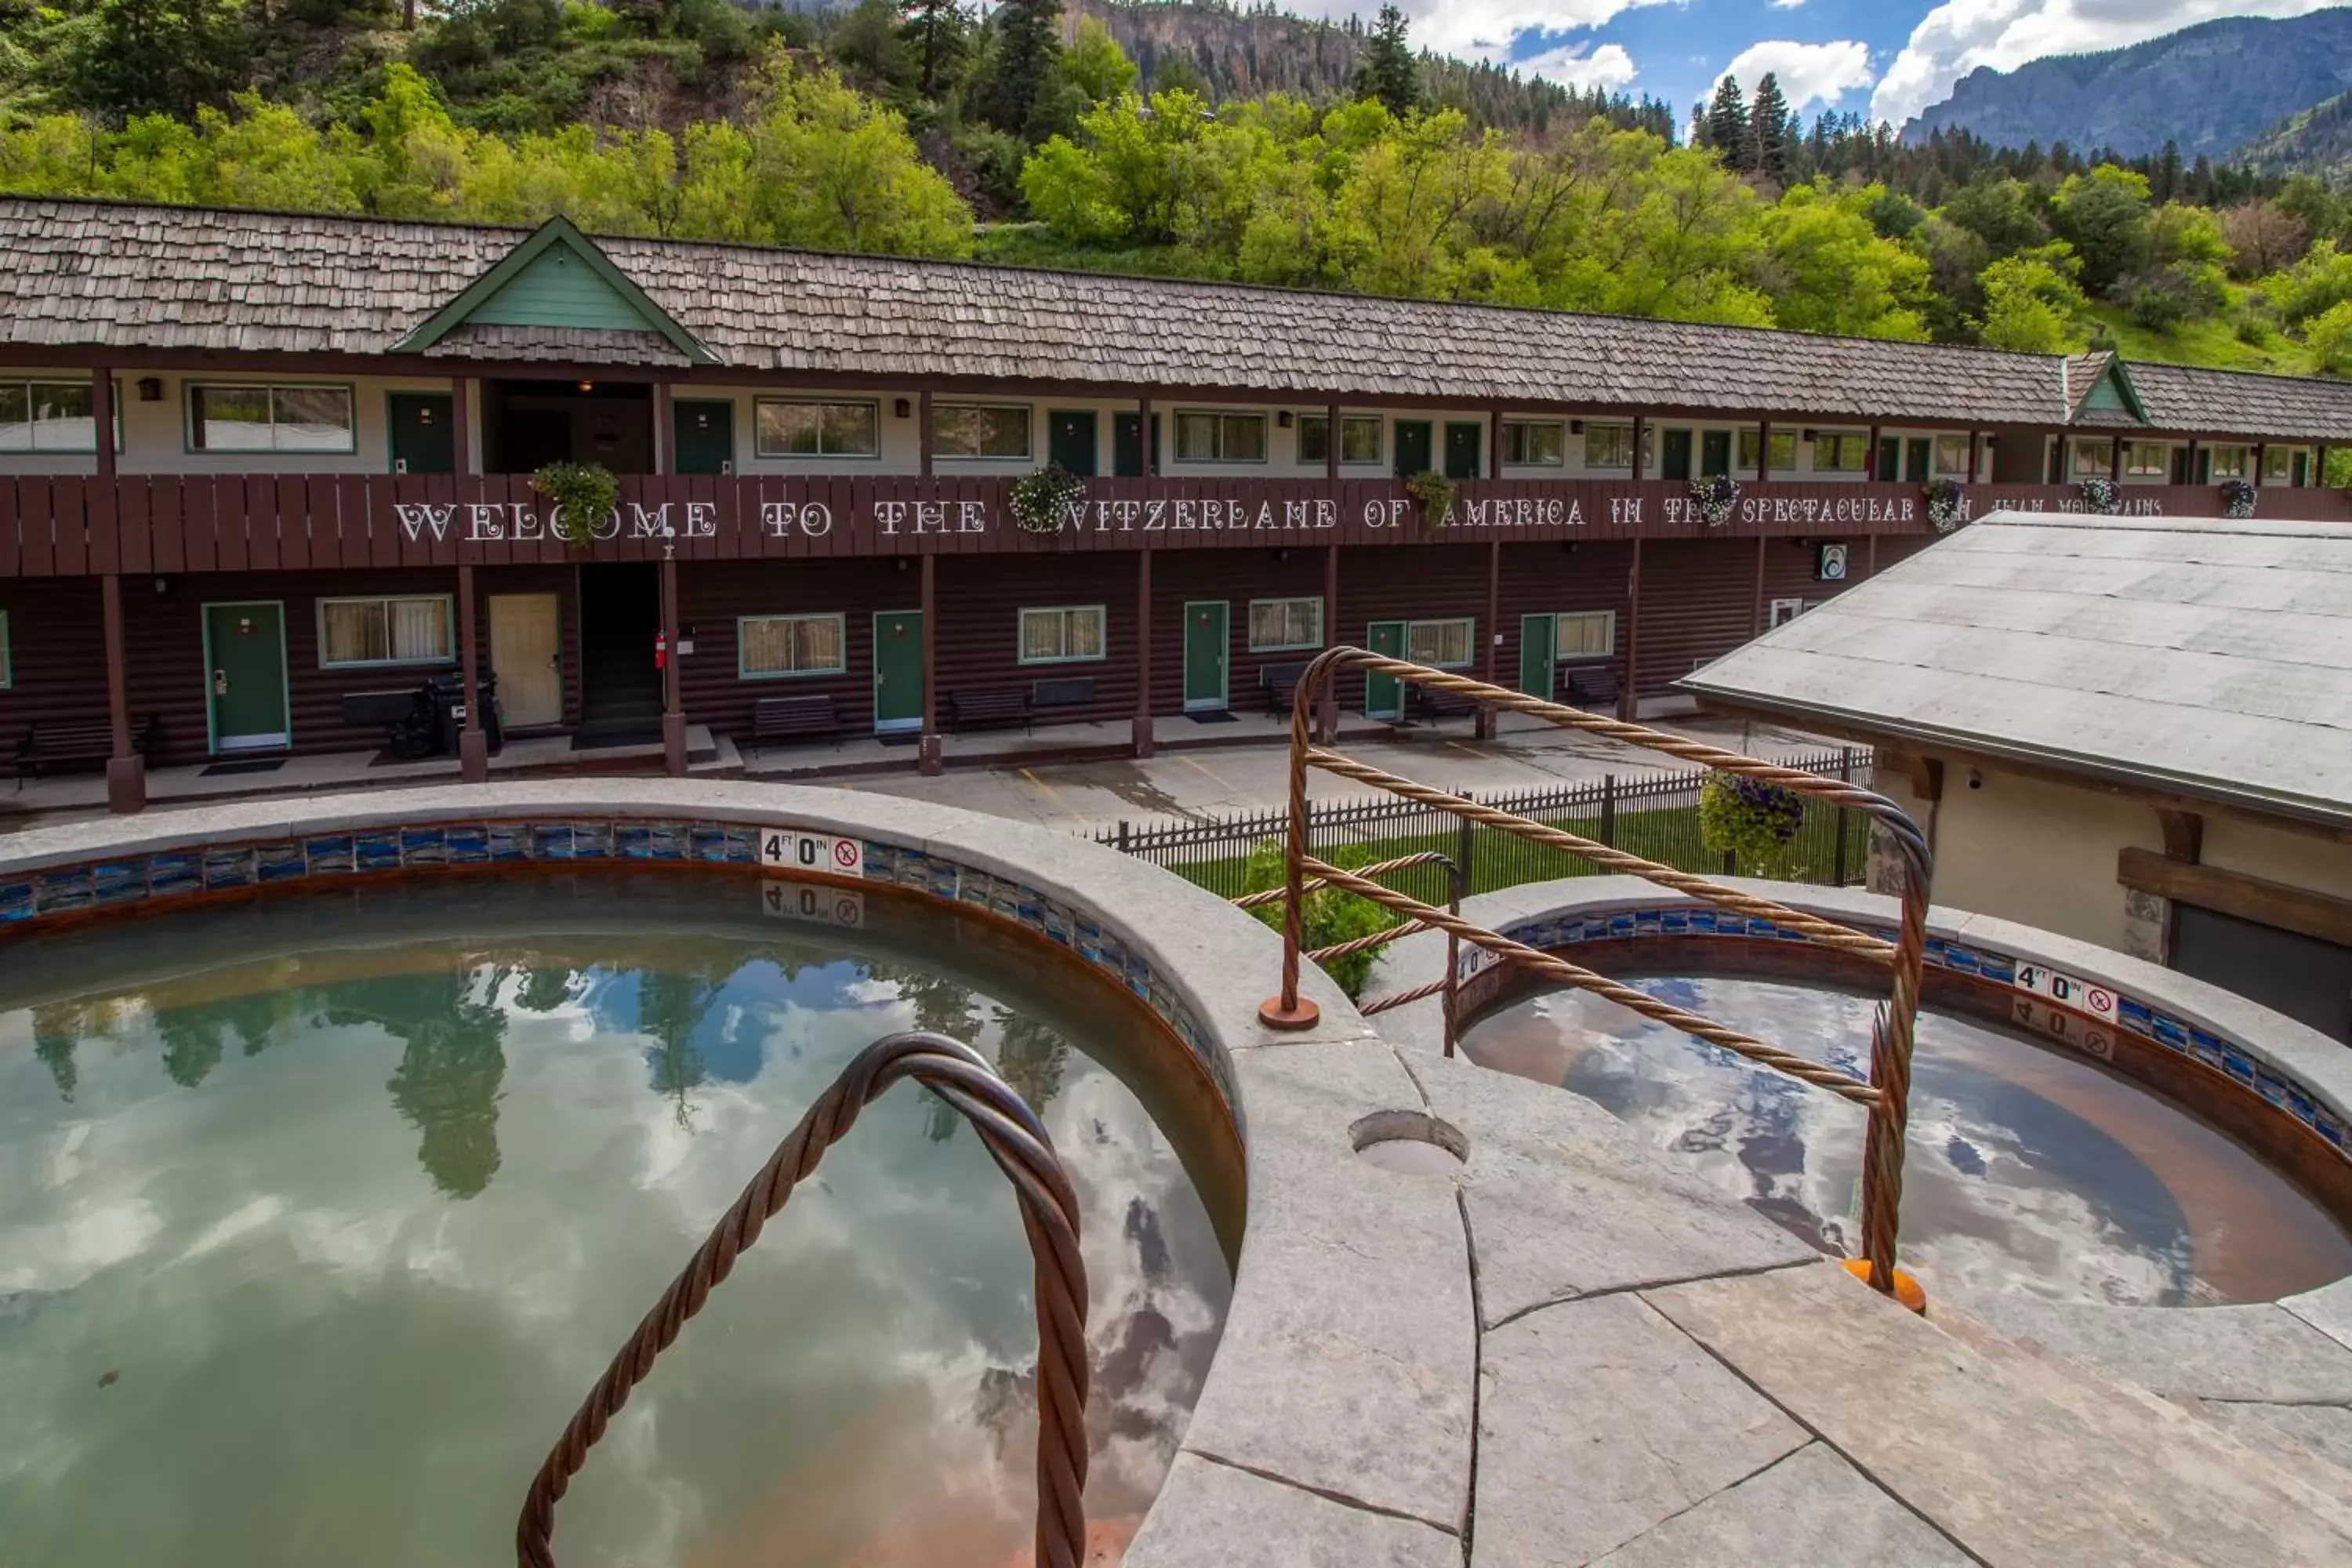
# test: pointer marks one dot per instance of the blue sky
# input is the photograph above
(1887, 59)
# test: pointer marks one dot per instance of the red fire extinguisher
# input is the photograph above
(661, 650)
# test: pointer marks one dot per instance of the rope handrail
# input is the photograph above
(1017, 1141)
(1888, 1090)
(1456, 884)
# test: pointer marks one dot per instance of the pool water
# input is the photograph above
(2027, 1169)
(324, 1213)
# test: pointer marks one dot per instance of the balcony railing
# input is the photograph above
(69, 526)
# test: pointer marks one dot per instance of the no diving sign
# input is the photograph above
(2068, 992)
(792, 849)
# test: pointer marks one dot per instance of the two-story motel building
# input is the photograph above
(322, 430)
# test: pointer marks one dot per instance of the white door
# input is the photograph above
(527, 655)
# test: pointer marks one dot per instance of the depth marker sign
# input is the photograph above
(791, 849)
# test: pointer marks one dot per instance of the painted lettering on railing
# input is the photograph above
(415, 517)
(520, 522)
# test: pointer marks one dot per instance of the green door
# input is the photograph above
(1070, 438)
(1207, 640)
(1674, 455)
(1713, 454)
(1462, 444)
(1890, 458)
(1384, 694)
(1412, 447)
(1535, 646)
(1127, 445)
(897, 669)
(244, 661)
(424, 433)
(704, 436)
(1918, 453)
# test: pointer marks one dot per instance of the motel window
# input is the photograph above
(2225, 463)
(1203, 437)
(8, 671)
(792, 428)
(1277, 625)
(1784, 450)
(2278, 464)
(225, 418)
(1585, 633)
(1609, 445)
(1060, 633)
(52, 416)
(2144, 459)
(1952, 456)
(1840, 451)
(2094, 460)
(1534, 445)
(769, 648)
(979, 430)
(1360, 437)
(1438, 643)
(410, 630)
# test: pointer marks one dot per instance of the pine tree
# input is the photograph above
(2166, 179)
(1769, 131)
(938, 34)
(1025, 65)
(1388, 71)
(1726, 124)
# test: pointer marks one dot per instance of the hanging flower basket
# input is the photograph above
(1042, 502)
(1435, 491)
(2238, 498)
(1948, 505)
(1751, 820)
(581, 495)
(2102, 496)
(1715, 499)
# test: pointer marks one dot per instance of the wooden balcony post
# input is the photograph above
(673, 708)
(2255, 479)
(2318, 467)
(1641, 428)
(1870, 458)
(929, 760)
(2115, 460)
(1143, 443)
(1327, 719)
(1485, 728)
(473, 738)
(923, 430)
(1142, 729)
(126, 770)
(1331, 443)
(1628, 701)
(1763, 450)
(665, 431)
(1976, 455)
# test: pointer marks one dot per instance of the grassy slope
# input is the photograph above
(2210, 340)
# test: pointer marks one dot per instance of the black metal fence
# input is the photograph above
(1652, 815)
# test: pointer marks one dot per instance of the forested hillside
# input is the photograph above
(1034, 136)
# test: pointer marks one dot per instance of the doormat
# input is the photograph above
(900, 738)
(1222, 716)
(229, 770)
(617, 738)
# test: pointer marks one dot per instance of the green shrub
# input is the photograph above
(1752, 819)
(1331, 916)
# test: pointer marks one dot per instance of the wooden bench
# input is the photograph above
(795, 719)
(976, 709)
(1435, 705)
(1061, 691)
(50, 743)
(1589, 686)
(1281, 683)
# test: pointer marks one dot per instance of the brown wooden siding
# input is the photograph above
(56, 655)
(981, 599)
(1698, 603)
(710, 598)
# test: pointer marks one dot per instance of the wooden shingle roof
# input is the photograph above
(130, 278)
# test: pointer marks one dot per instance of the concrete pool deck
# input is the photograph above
(1569, 1352)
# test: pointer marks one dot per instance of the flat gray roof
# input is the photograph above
(2205, 658)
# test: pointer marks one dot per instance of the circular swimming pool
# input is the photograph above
(2028, 1168)
(324, 1213)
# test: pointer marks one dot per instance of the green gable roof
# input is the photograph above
(556, 277)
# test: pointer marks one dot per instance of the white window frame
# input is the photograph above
(1632, 459)
(1607, 619)
(33, 425)
(1469, 625)
(2134, 450)
(1218, 416)
(193, 428)
(840, 644)
(1743, 449)
(759, 434)
(1782, 612)
(2242, 457)
(1289, 603)
(1021, 654)
(1830, 446)
(2100, 455)
(1559, 429)
(2283, 460)
(1377, 422)
(1959, 469)
(1028, 433)
(449, 630)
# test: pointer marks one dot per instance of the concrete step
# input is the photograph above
(2020, 1457)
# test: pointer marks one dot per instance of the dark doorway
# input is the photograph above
(1070, 439)
(620, 617)
(424, 434)
(1127, 445)
(1462, 444)
(1918, 453)
(1412, 447)
(1674, 463)
(706, 435)
(1713, 454)
(2308, 980)
(527, 425)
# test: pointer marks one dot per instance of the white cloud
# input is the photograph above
(1786, 4)
(1575, 66)
(1809, 73)
(1483, 29)
(1959, 35)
